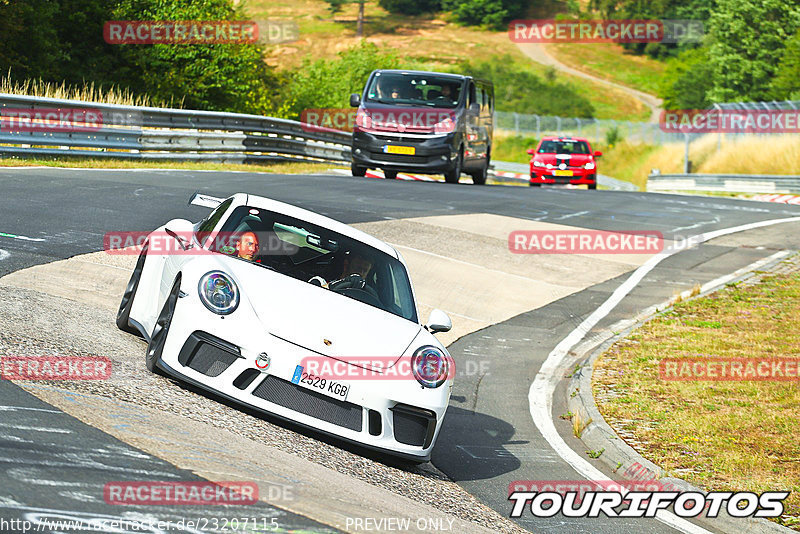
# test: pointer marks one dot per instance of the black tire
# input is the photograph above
(534, 185)
(390, 175)
(593, 186)
(124, 312)
(479, 177)
(158, 339)
(355, 170)
(452, 176)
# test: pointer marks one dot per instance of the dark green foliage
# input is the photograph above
(786, 85)
(410, 7)
(687, 80)
(493, 14)
(520, 90)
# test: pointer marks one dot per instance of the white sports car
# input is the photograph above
(294, 314)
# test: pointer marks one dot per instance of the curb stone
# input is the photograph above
(617, 454)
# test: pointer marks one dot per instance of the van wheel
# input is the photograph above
(390, 175)
(452, 176)
(355, 170)
(479, 177)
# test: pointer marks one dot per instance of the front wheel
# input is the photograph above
(356, 170)
(160, 331)
(452, 176)
(124, 312)
(390, 175)
(593, 186)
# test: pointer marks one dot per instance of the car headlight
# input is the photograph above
(430, 366)
(589, 166)
(538, 163)
(549, 166)
(218, 292)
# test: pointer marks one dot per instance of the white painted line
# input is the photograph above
(4, 254)
(570, 215)
(15, 408)
(21, 237)
(540, 394)
(37, 428)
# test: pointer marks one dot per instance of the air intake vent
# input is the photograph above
(311, 403)
(413, 426)
(207, 354)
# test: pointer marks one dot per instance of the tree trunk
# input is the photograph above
(360, 24)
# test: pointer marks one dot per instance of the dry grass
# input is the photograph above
(610, 61)
(87, 92)
(718, 435)
(276, 168)
(743, 155)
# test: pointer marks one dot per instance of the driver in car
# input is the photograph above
(354, 273)
(247, 246)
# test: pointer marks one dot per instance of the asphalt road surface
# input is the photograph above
(488, 439)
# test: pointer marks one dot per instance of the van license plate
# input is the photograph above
(395, 149)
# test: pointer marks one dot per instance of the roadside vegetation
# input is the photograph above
(633, 162)
(719, 435)
(300, 167)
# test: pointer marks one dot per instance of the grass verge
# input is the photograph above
(88, 163)
(720, 435)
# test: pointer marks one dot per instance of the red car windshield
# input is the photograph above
(563, 147)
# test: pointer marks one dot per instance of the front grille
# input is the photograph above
(397, 158)
(413, 426)
(311, 403)
(207, 354)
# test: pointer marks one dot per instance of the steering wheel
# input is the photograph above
(354, 282)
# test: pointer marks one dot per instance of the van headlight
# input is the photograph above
(589, 166)
(218, 292)
(430, 366)
(444, 126)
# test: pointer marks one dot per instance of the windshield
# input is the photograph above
(414, 89)
(563, 147)
(317, 256)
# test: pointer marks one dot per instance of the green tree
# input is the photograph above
(410, 7)
(786, 85)
(748, 37)
(686, 81)
(222, 77)
(328, 84)
(493, 14)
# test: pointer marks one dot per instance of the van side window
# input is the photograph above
(471, 94)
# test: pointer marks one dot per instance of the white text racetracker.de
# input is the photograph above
(647, 503)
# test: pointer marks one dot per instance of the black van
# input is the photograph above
(423, 122)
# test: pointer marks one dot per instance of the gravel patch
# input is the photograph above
(36, 324)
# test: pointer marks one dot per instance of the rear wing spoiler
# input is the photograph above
(206, 201)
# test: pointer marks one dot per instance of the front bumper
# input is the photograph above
(395, 417)
(434, 154)
(547, 176)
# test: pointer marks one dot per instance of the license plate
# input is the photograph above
(332, 388)
(562, 173)
(395, 149)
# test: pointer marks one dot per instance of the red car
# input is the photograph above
(564, 160)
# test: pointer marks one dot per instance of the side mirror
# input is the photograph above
(475, 108)
(597, 153)
(438, 321)
(355, 100)
(531, 151)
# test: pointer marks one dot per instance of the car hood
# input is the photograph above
(574, 159)
(306, 315)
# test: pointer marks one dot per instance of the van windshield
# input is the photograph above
(415, 90)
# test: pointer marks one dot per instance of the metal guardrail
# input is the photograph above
(145, 133)
(741, 183)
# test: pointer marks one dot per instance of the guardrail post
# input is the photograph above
(558, 125)
(538, 127)
(516, 122)
(686, 168)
